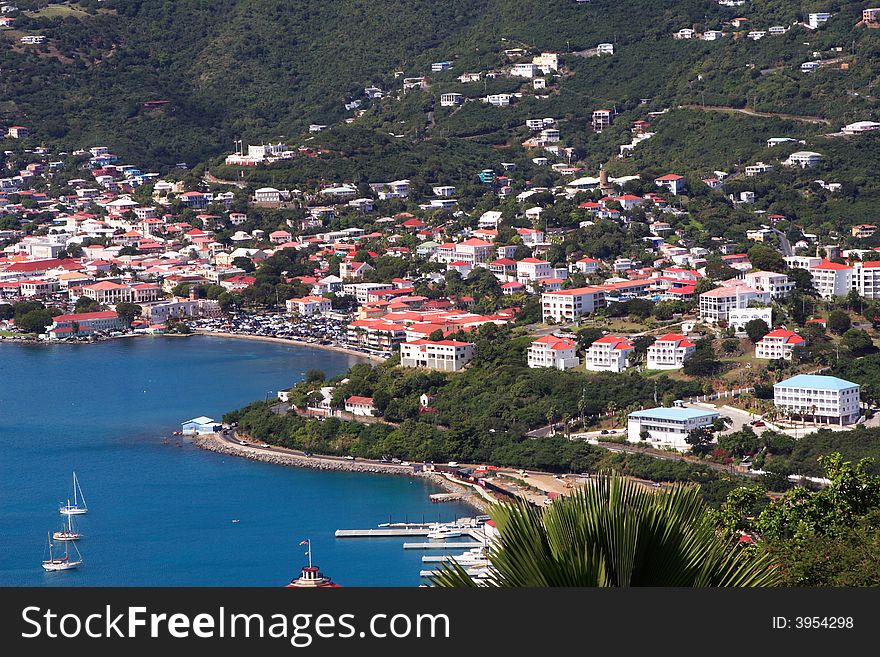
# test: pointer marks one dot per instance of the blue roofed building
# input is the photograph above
(819, 399)
(668, 427)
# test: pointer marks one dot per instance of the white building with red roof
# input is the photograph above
(831, 279)
(360, 406)
(107, 292)
(671, 181)
(587, 265)
(550, 351)
(308, 306)
(778, 344)
(609, 353)
(533, 269)
(443, 355)
(669, 352)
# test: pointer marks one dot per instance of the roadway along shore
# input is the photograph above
(291, 341)
(283, 456)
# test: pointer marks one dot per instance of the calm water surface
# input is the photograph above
(162, 514)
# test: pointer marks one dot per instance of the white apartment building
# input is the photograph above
(568, 305)
(778, 344)
(443, 355)
(669, 352)
(668, 427)
(831, 279)
(715, 305)
(532, 269)
(777, 285)
(608, 354)
(550, 351)
(822, 399)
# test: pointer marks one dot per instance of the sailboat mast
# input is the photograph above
(74, 491)
(49, 538)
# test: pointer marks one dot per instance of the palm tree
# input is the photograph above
(615, 532)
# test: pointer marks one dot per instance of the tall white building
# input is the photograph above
(568, 305)
(831, 279)
(550, 351)
(823, 399)
(608, 354)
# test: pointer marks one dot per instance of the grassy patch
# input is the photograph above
(53, 11)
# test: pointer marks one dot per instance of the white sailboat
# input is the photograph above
(67, 534)
(53, 564)
(79, 501)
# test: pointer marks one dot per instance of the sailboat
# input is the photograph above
(67, 534)
(61, 563)
(79, 501)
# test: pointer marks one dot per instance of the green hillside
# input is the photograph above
(260, 69)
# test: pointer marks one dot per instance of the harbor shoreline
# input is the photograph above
(292, 342)
(281, 456)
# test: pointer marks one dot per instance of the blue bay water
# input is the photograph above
(162, 514)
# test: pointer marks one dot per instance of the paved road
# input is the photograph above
(784, 244)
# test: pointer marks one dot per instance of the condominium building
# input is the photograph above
(822, 399)
(608, 354)
(568, 305)
(831, 279)
(532, 269)
(550, 351)
(669, 352)
(668, 427)
(444, 355)
(776, 284)
(715, 305)
(778, 344)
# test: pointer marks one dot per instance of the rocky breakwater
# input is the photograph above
(282, 456)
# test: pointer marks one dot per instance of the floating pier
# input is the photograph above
(385, 532)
